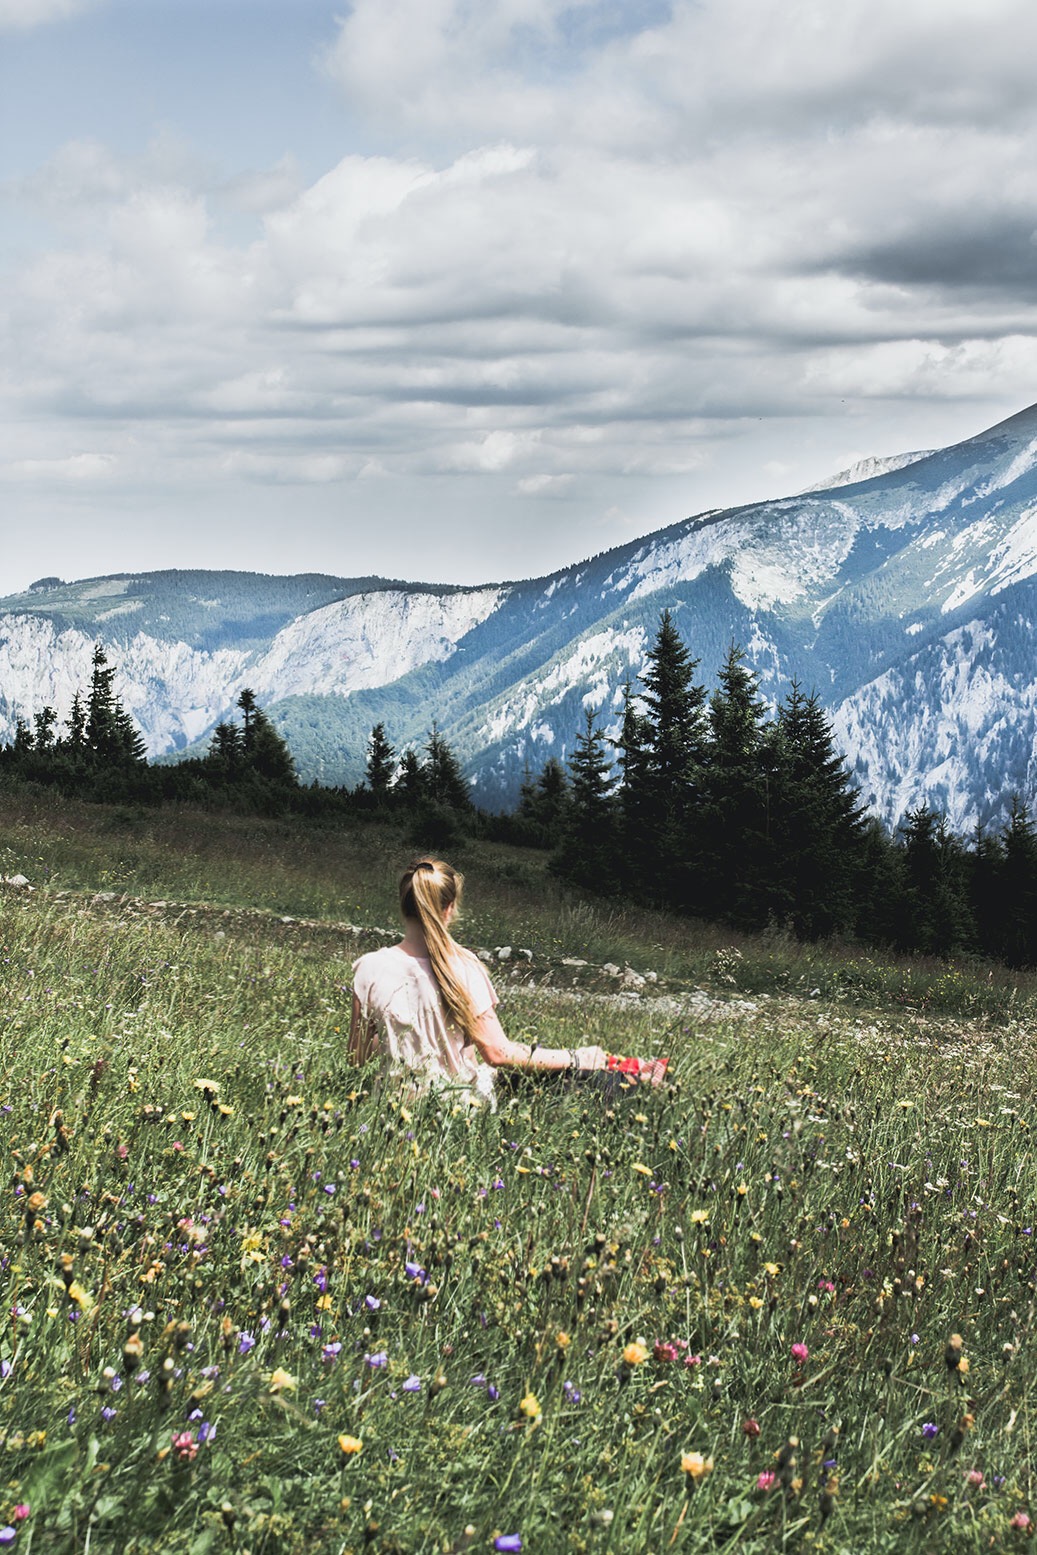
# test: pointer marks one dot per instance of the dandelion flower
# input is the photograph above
(696, 1466)
(635, 1354)
(350, 1444)
(530, 1407)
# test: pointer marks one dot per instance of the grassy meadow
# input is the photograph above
(252, 1302)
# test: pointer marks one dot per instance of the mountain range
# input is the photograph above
(904, 592)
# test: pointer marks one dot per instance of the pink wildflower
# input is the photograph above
(185, 1446)
(800, 1353)
(766, 1480)
(1021, 1520)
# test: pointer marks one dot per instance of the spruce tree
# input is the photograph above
(75, 725)
(735, 831)
(410, 780)
(110, 733)
(542, 804)
(101, 733)
(44, 724)
(444, 782)
(675, 729)
(1018, 900)
(816, 823)
(226, 751)
(381, 763)
(637, 851)
(937, 919)
(247, 704)
(267, 752)
(587, 853)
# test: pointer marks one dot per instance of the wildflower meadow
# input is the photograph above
(254, 1301)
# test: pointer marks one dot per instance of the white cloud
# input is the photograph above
(580, 255)
(22, 15)
(73, 467)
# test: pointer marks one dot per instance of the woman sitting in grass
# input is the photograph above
(427, 1004)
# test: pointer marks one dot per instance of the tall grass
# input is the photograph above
(256, 1302)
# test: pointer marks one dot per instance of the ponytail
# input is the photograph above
(427, 889)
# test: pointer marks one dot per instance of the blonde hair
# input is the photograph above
(428, 888)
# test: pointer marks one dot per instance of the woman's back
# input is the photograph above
(398, 992)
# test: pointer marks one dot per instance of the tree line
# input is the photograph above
(703, 803)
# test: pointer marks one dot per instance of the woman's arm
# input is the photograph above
(363, 1035)
(499, 1050)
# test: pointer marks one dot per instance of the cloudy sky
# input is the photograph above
(463, 290)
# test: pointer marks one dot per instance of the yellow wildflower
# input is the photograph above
(82, 1298)
(695, 1466)
(635, 1354)
(350, 1444)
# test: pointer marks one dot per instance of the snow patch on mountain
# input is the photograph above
(938, 730)
(368, 640)
(176, 694)
(593, 666)
(173, 693)
(866, 470)
(1016, 557)
(1020, 464)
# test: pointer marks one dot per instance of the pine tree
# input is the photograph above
(101, 734)
(587, 853)
(937, 918)
(542, 804)
(735, 846)
(381, 763)
(636, 844)
(44, 724)
(444, 782)
(673, 730)
(986, 865)
(75, 725)
(1018, 897)
(247, 704)
(226, 750)
(816, 823)
(267, 752)
(410, 780)
(110, 733)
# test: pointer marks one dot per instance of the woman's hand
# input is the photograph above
(654, 1071)
(590, 1058)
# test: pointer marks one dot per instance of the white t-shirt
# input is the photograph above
(398, 992)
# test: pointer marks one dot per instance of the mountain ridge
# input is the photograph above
(904, 598)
